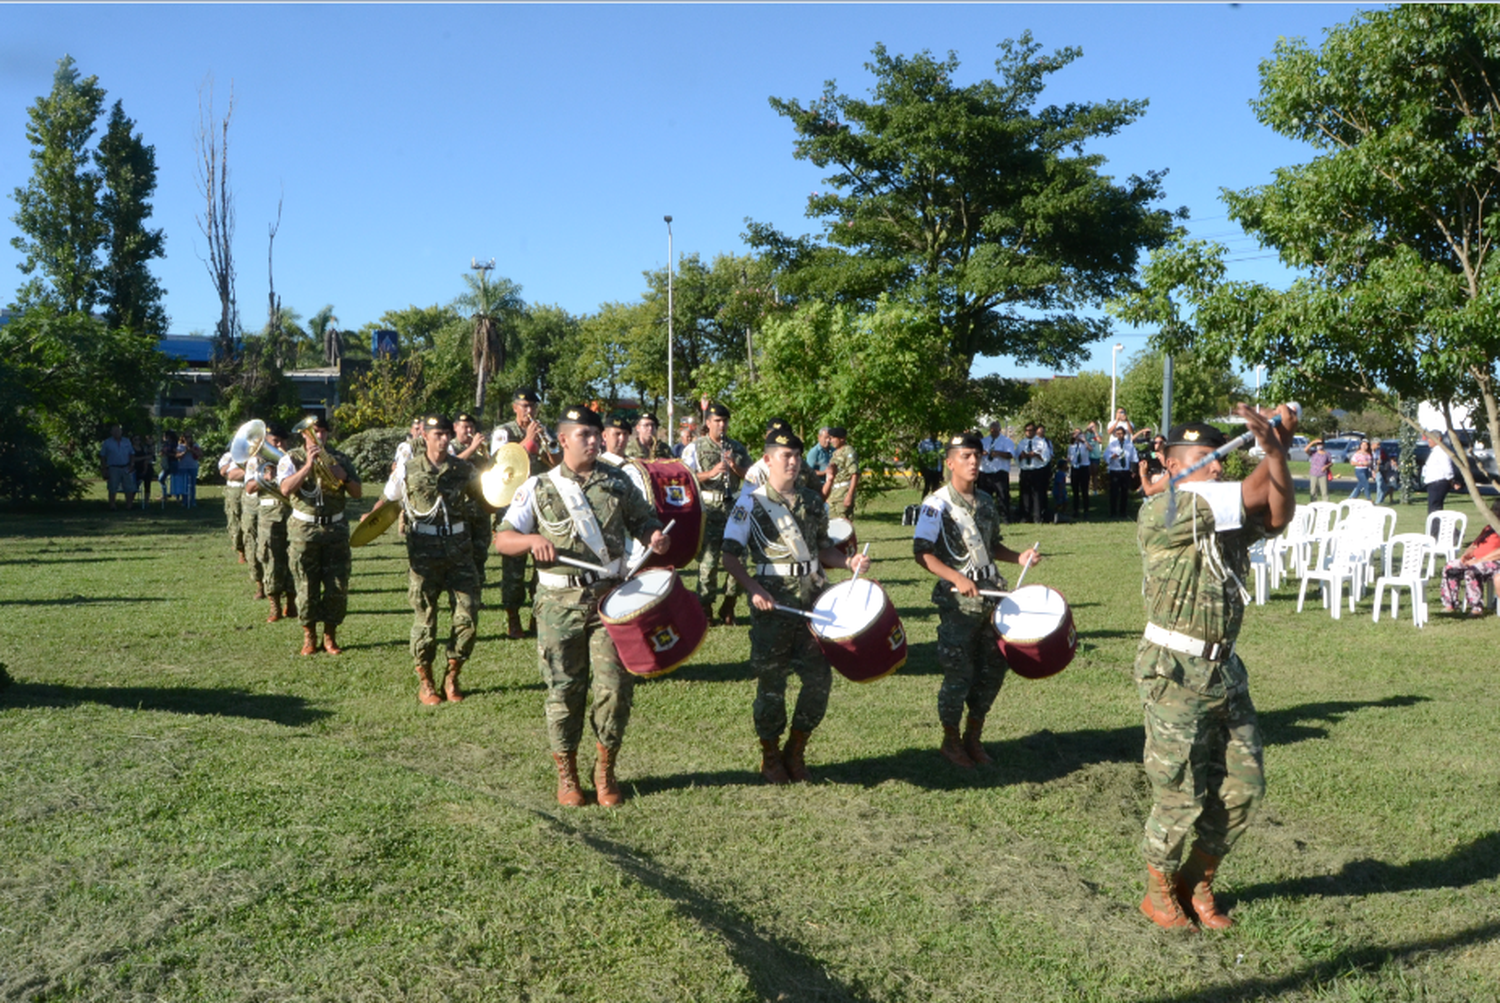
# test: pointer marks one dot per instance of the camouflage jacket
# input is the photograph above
(844, 464)
(440, 495)
(703, 454)
(311, 498)
(938, 534)
(1194, 574)
(753, 537)
(659, 450)
(511, 432)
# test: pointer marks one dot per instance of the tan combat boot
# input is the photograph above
(330, 644)
(771, 767)
(275, 609)
(1160, 905)
(605, 788)
(569, 795)
(260, 590)
(426, 691)
(1195, 892)
(450, 681)
(791, 756)
(309, 639)
(726, 610)
(513, 624)
(972, 747)
(952, 748)
(291, 605)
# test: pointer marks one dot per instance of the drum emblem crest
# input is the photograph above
(1072, 638)
(664, 639)
(898, 637)
(740, 514)
(676, 495)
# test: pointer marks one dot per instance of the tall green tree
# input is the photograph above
(1389, 225)
(131, 295)
(417, 326)
(1202, 388)
(493, 305)
(971, 203)
(58, 210)
(1064, 402)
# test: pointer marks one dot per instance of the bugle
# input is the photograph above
(321, 469)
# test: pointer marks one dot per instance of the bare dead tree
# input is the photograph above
(273, 317)
(217, 221)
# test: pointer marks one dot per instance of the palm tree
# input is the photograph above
(494, 305)
(324, 328)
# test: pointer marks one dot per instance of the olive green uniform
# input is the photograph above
(780, 643)
(717, 497)
(571, 639)
(514, 587)
(438, 500)
(1203, 751)
(234, 492)
(476, 515)
(973, 667)
(318, 541)
(250, 523)
(270, 535)
(658, 450)
(844, 464)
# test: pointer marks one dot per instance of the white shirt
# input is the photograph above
(1036, 444)
(1438, 467)
(999, 443)
(1120, 455)
(1079, 455)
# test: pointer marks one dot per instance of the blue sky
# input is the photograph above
(406, 140)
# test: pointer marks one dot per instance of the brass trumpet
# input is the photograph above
(321, 469)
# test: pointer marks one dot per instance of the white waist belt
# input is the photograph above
(554, 580)
(322, 520)
(269, 503)
(427, 529)
(234, 484)
(840, 484)
(1182, 643)
(711, 496)
(799, 570)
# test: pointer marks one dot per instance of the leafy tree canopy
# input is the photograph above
(1065, 403)
(971, 203)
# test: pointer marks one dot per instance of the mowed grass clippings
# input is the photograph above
(193, 811)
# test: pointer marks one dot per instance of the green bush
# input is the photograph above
(372, 451)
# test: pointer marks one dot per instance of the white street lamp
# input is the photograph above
(671, 395)
(1258, 370)
(1114, 365)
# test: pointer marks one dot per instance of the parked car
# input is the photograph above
(1297, 452)
(1339, 449)
(1482, 462)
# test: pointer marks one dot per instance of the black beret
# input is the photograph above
(617, 421)
(839, 432)
(319, 421)
(1196, 433)
(718, 411)
(783, 437)
(528, 396)
(276, 428)
(777, 423)
(580, 415)
(466, 416)
(439, 422)
(648, 416)
(967, 440)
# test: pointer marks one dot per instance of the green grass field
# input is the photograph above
(193, 812)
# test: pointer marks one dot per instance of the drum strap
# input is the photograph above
(786, 527)
(978, 564)
(585, 522)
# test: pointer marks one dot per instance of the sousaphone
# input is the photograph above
(500, 482)
(250, 440)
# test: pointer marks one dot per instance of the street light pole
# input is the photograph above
(1258, 370)
(1114, 365)
(671, 389)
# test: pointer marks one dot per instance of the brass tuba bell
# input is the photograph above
(250, 440)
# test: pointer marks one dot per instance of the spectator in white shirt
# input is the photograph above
(1080, 459)
(1120, 458)
(1437, 473)
(994, 467)
(1120, 420)
(1035, 453)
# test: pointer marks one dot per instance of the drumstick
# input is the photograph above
(862, 553)
(640, 558)
(801, 612)
(585, 565)
(1237, 442)
(1027, 566)
(988, 592)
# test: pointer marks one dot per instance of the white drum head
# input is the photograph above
(638, 593)
(1030, 613)
(847, 608)
(840, 530)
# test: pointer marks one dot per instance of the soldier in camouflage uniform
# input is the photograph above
(588, 511)
(250, 526)
(234, 490)
(270, 535)
(439, 491)
(468, 444)
(317, 534)
(644, 445)
(756, 475)
(842, 477)
(957, 538)
(1203, 746)
(538, 442)
(719, 463)
(775, 546)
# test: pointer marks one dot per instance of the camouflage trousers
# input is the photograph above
(441, 564)
(515, 590)
(781, 644)
(711, 561)
(232, 506)
(270, 536)
(320, 560)
(972, 665)
(1206, 767)
(571, 642)
(250, 529)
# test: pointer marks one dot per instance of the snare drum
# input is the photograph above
(859, 631)
(841, 532)
(654, 621)
(1035, 630)
(672, 489)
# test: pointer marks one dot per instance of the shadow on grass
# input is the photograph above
(776, 969)
(1285, 726)
(284, 709)
(1466, 865)
(104, 558)
(1356, 960)
(80, 600)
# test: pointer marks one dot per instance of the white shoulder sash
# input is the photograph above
(786, 525)
(979, 561)
(585, 522)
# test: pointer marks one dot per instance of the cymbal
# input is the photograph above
(500, 482)
(374, 524)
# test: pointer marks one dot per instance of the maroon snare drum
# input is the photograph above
(841, 532)
(655, 622)
(672, 490)
(859, 631)
(1034, 627)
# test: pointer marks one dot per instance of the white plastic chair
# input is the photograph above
(1338, 558)
(1447, 530)
(1289, 548)
(1350, 505)
(1263, 564)
(1414, 552)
